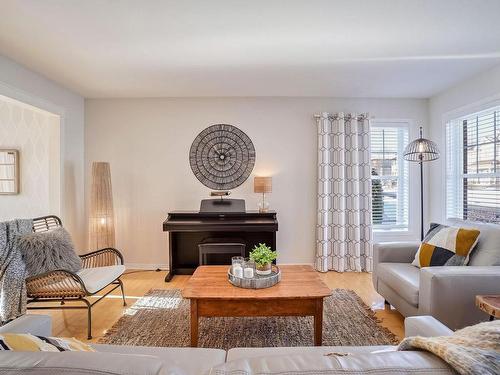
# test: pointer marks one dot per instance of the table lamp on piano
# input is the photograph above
(263, 185)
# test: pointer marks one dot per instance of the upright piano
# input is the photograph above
(188, 229)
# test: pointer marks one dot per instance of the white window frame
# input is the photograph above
(395, 233)
(452, 120)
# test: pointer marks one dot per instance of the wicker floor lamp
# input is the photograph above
(102, 220)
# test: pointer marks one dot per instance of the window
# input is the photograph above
(389, 176)
(473, 167)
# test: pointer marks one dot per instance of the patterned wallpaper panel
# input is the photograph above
(35, 134)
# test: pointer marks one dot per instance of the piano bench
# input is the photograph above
(238, 249)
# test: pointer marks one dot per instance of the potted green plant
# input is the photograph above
(263, 257)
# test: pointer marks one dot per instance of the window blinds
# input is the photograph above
(473, 167)
(389, 177)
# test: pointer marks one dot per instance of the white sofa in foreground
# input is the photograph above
(128, 360)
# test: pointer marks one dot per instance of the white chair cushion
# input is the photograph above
(97, 278)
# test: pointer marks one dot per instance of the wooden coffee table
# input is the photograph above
(300, 293)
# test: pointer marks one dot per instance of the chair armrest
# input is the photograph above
(102, 258)
(395, 252)
(425, 326)
(38, 325)
(55, 284)
(448, 293)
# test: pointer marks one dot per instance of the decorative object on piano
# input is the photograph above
(102, 218)
(220, 194)
(263, 185)
(255, 282)
(9, 172)
(263, 257)
(222, 205)
(222, 157)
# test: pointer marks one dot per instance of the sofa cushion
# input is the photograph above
(425, 326)
(389, 362)
(241, 353)
(446, 246)
(81, 363)
(487, 250)
(97, 278)
(403, 278)
(176, 360)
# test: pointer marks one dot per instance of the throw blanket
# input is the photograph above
(12, 270)
(472, 350)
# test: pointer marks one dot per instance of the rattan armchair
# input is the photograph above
(63, 285)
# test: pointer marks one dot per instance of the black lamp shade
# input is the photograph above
(421, 150)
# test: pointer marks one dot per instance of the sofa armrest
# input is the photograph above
(38, 325)
(395, 252)
(425, 326)
(448, 293)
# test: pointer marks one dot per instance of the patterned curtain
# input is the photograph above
(344, 228)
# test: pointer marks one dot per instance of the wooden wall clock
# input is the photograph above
(222, 157)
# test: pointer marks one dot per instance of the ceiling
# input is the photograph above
(342, 48)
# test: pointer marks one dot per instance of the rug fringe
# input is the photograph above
(373, 316)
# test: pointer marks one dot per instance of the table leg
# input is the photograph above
(318, 323)
(194, 323)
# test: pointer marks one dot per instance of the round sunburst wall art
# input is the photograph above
(222, 157)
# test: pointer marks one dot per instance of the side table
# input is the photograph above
(490, 305)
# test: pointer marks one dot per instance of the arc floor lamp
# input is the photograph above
(421, 150)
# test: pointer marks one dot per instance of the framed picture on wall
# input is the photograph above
(9, 171)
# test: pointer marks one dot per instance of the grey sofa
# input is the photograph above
(131, 360)
(446, 293)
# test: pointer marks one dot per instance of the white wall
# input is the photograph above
(35, 133)
(474, 94)
(147, 143)
(20, 83)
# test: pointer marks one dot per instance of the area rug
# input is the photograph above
(161, 318)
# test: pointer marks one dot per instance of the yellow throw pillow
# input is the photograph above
(25, 342)
(446, 246)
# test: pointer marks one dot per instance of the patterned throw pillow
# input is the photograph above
(24, 342)
(446, 246)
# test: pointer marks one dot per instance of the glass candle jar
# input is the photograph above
(248, 269)
(237, 266)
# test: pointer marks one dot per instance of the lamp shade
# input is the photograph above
(102, 218)
(262, 184)
(421, 150)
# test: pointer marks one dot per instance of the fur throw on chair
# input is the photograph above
(48, 251)
(471, 350)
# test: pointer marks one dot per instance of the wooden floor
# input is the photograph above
(73, 323)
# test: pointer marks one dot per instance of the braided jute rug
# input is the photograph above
(161, 318)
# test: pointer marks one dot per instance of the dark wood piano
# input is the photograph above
(188, 229)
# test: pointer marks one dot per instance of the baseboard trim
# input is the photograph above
(146, 266)
(164, 267)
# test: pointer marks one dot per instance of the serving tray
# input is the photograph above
(258, 281)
